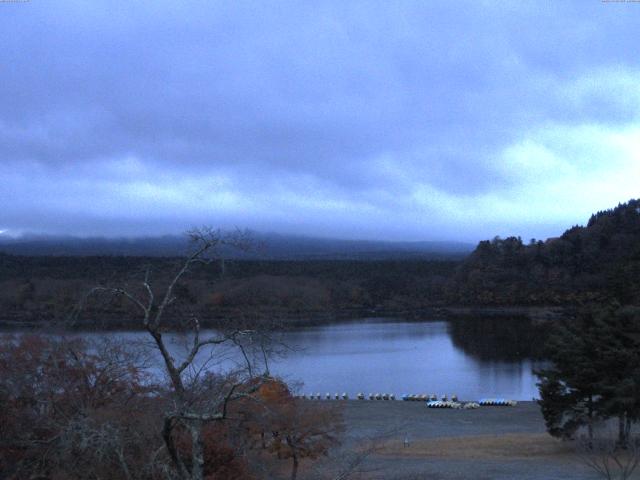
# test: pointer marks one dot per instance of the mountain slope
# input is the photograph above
(268, 246)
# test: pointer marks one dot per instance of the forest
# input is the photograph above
(596, 262)
(585, 264)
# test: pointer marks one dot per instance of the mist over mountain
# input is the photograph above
(267, 246)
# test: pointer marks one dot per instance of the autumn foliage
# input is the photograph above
(71, 410)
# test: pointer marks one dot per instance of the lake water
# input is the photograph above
(399, 357)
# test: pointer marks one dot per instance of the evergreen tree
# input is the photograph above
(618, 332)
(569, 387)
(595, 372)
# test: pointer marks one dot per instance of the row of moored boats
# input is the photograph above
(432, 400)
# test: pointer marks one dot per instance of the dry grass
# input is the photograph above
(511, 446)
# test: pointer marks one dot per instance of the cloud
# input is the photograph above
(364, 119)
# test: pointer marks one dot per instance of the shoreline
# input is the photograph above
(294, 320)
(497, 443)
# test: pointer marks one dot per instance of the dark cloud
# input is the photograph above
(353, 118)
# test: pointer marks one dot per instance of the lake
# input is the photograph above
(473, 360)
(400, 357)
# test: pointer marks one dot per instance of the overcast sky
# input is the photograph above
(391, 120)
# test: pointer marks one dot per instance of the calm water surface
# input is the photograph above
(389, 356)
(399, 357)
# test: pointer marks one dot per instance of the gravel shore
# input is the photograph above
(486, 443)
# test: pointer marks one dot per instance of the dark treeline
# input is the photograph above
(36, 288)
(586, 264)
(100, 267)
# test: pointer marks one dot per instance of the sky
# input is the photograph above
(381, 120)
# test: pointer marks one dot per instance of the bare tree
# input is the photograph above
(197, 399)
(352, 461)
(352, 464)
(608, 457)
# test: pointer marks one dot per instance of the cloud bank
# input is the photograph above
(381, 120)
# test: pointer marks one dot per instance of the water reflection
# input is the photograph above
(403, 357)
(499, 338)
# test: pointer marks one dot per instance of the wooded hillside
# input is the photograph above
(596, 262)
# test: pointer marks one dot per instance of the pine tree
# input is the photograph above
(595, 372)
(569, 388)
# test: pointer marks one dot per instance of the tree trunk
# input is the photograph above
(294, 469)
(197, 451)
(123, 464)
(622, 440)
(167, 434)
(590, 426)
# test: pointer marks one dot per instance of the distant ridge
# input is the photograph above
(268, 246)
